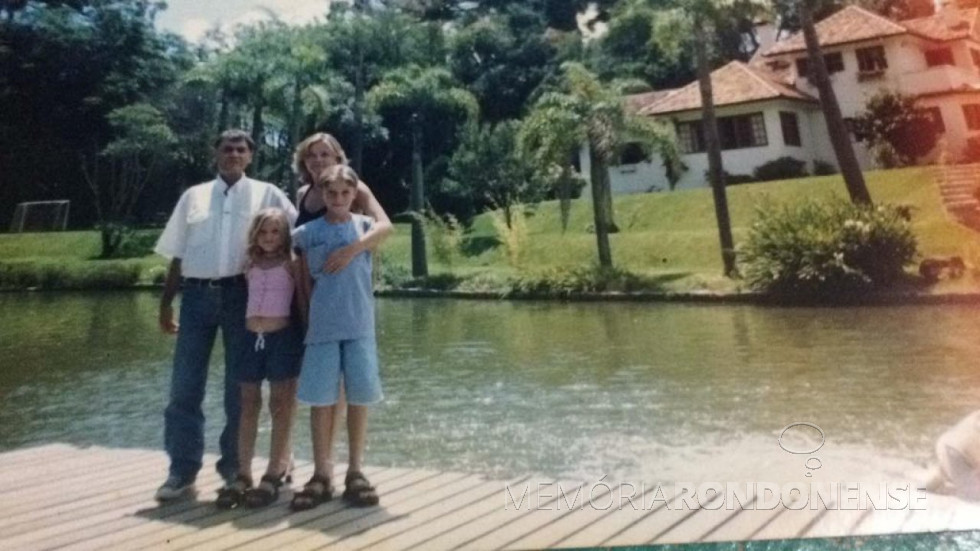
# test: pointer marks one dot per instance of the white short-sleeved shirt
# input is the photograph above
(208, 229)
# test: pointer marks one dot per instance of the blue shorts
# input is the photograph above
(274, 356)
(323, 365)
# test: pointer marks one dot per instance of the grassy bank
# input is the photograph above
(668, 242)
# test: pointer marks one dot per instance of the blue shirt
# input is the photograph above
(342, 306)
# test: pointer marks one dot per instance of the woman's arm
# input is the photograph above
(301, 275)
(382, 227)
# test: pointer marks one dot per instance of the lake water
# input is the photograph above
(633, 392)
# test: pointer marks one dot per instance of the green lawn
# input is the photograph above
(675, 233)
(670, 235)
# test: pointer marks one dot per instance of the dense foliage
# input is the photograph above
(466, 74)
(827, 249)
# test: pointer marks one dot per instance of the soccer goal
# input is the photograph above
(40, 216)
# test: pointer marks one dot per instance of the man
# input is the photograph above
(206, 240)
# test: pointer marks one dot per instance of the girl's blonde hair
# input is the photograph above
(342, 173)
(303, 149)
(279, 217)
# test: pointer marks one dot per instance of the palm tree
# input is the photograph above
(839, 136)
(413, 100)
(586, 112)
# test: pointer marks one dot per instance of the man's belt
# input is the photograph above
(230, 281)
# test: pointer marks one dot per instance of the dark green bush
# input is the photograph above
(824, 249)
(823, 168)
(68, 275)
(782, 168)
(584, 279)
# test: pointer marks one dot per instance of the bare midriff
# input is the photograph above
(263, 324)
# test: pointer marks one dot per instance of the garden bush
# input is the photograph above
(782, 168)
(825, 249)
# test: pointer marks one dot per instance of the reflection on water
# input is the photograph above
(633, 391)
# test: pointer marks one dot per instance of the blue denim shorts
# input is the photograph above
(323, 365)
(274, 356)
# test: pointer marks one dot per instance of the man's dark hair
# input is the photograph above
(235, 135)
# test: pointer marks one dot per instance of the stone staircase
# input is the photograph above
(957, 187)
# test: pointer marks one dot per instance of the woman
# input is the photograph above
(314, 155)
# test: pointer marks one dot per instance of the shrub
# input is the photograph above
(513, 235)
(823, 168)
(445, 235)
(584, 279)
(731, 179)
(824, 249)
(782, 168)
(69, 275)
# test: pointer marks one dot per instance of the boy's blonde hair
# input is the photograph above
(303, 149)
(278, 216)
(342, 173)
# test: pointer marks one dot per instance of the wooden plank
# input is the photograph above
(294, 526)
(348, 520)
(744, 524)
(652, 528)
(936, 516)
(708, 518)
(48, 494)
(35, 454)
(65, 466)
(448, 514)
(579, 518)
(882, 522)
(144, 525)
(653, 499)
(790, 523)
(500, 514)
(836, 523)
(365, 532)
(253, 523)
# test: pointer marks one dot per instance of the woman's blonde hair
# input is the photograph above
(279, 217)
(303, 149)
(342, 173)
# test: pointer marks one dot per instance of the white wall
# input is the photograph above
(651, 176)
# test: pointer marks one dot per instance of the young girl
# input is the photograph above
(274, 353)
(340, 340)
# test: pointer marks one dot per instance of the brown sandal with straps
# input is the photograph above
(318, 490)
(358, 491)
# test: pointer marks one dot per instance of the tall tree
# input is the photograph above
(424, 110)
(693, 28)
(586, 112)
(839, 136)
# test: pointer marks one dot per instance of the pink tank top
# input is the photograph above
(270, 292)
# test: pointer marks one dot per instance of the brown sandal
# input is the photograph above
(358, 491)
(233, 495)
(267, 491)
(318, 490)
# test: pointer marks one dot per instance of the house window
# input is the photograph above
(936, 116)
(834, 62)
(975, 55)
(734, 133)
(791, 128)
(690, 137)
(631, 154)
(972, 113)
(871, 60)
(939, 56)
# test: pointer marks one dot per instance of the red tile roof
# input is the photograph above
(854, 24)
(732, 84)
(935, 27)
(636, 102)
(850, 24)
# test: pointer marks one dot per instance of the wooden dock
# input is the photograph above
(62, 496)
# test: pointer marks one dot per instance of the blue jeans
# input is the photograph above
(202, 311)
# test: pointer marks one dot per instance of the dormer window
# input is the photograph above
(939, 56)
(834, 62)
(871, 60)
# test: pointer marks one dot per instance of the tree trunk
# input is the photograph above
(257, 132)
(599, 175)
(357, 140)
(296, 113)
(716, 172)
(223, 112)
(839, 136)
(419, 264)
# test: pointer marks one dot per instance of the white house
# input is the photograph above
(768, 109)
